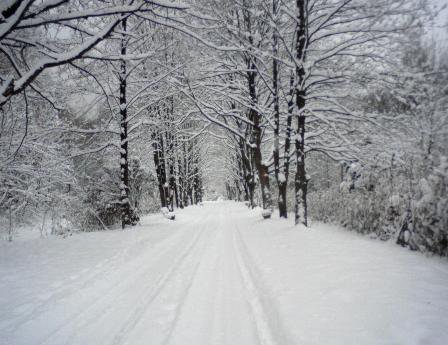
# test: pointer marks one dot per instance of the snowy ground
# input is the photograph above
(219, 274)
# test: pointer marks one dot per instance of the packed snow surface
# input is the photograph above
(219, 274)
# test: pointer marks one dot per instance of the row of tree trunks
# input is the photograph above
(239, 188)
(250, 157)
(281, 164)
(176, 161)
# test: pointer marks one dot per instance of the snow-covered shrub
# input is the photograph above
(34, 180)
(416, 216)
(430, 211)
(355, 210)
(98, 180)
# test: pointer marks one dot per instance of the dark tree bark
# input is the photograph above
(255, 117)
(180, 194)
(300, 181)
(180, 181)
(170, 157)
(279, 177)
(283, 184)
(171, 191)
(241, 182)
(186, 184)
(282, 171)
(127, 215)
(159, 163)
(248, 173)
(170, 186)
(175, 183)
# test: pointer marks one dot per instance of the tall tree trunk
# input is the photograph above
(263, 173)
(127, 216)
(170, 157)
(283, 183)
(179, 194)
(171, 191)
(262, 168)
(176, 186)
(279, 177)
(159, 163)
(251, 176)
(248, 174)
(185, 188)
(255, 117)
(196, 188)
(241, 173)
(301, 181)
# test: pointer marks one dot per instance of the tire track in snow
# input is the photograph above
(186, 292)
(211, 309)
(69, 285)
(191, 258)
(89, 315)
(267, 322)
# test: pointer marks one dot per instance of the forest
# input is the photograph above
(224, 172)
(329, 110)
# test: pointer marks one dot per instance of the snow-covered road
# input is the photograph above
(219, 274)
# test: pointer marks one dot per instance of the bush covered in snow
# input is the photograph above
(413, 213)
(430, 211)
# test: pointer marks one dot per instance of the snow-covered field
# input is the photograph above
(219, 274)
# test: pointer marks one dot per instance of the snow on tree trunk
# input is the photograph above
(280, 177)
(283, 178)
(248, 173)
(301, 181)
(261, 166)
(127, 215)
(276, 152)
(159, 163)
